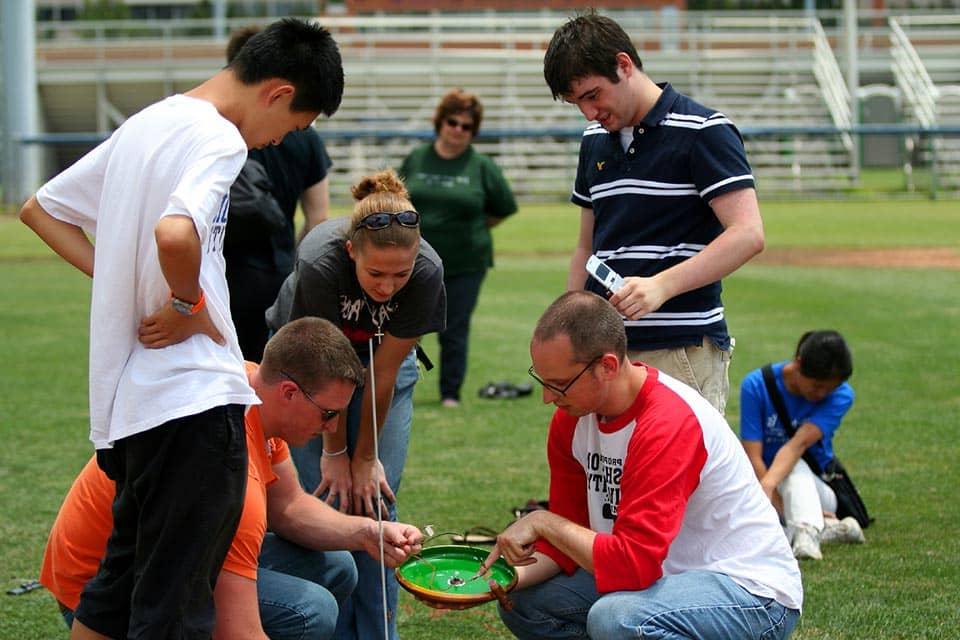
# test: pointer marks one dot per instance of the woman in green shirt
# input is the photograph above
(460, 194)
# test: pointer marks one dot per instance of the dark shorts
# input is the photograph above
(180, 491)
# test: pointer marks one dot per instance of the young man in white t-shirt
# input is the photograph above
(657, 525)
(167, 382)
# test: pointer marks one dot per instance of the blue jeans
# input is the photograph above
(299, 590)
(361, 615)
(696, 604)
(462, 293)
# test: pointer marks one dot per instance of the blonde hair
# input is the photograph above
(381, 192)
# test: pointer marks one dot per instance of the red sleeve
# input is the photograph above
(568, 496)
(662, 468)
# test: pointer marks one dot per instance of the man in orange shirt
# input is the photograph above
(285, 583)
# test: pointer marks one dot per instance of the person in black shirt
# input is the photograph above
(259, 260)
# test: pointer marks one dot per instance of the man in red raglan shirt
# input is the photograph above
(657, 523)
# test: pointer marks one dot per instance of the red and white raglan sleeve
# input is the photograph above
(568, 484)
(661, 470)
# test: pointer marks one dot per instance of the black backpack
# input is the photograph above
(254, 212)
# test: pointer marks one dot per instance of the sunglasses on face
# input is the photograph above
(326, 414)
(457, 124)
(562, 391)
(382, 220)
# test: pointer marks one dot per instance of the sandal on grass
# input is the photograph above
(532, 505)
(505, 390)
(475, 535)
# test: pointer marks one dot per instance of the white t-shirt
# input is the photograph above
(176, 157)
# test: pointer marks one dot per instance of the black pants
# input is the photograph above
(462, 293)
(252, 291)
(180, 491)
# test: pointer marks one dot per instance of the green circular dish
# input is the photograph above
(442, 576)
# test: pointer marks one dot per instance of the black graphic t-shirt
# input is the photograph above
(324, 284)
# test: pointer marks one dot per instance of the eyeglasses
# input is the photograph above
(326, 414)
(457, 124)
(562, 390)
(383, 219)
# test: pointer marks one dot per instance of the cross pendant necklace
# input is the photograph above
(377, 321)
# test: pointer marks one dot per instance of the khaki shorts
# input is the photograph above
(705, 368)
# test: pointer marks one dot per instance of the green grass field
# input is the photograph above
(469, 466)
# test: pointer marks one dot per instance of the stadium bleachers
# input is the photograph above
(925, 54)
(763, 72)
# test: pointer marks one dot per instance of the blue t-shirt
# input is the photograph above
(759, 420)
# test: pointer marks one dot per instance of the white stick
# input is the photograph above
(376, 456)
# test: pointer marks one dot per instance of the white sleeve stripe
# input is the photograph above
(580, 196)
(717, 185)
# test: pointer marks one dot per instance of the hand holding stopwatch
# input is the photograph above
(604, 274)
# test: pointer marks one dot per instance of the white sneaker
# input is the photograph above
(805, 544)
(846, 530)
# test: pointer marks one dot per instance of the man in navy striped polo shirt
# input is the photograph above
(667, 200)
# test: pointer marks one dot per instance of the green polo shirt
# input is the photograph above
(455, 198)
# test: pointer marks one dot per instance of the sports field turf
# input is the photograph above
(469, 466)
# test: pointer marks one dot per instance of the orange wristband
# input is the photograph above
(188, 308)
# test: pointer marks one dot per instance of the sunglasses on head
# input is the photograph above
(382, 220)
(453, 122)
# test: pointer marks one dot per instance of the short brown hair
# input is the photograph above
(586, 45)
(314, 352)
(458, 101)
(382, 192)
(592, 324)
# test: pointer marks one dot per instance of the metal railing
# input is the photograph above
(911, 76)
(832, 85)
(553, 183)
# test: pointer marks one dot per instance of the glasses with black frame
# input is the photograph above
(459, 124)
(383, 219)
(326, 414)
(562, 391)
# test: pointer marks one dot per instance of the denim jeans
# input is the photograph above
(299, 590)
(462, 293)
(696, 604)
(361, 615)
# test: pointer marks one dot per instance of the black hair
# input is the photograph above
(586, 45)
(824, 355)
(303, 53)
(239, 38)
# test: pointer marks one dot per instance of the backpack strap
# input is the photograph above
(771, 383)
(777, 399)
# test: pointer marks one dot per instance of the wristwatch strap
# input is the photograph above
(186, 307)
